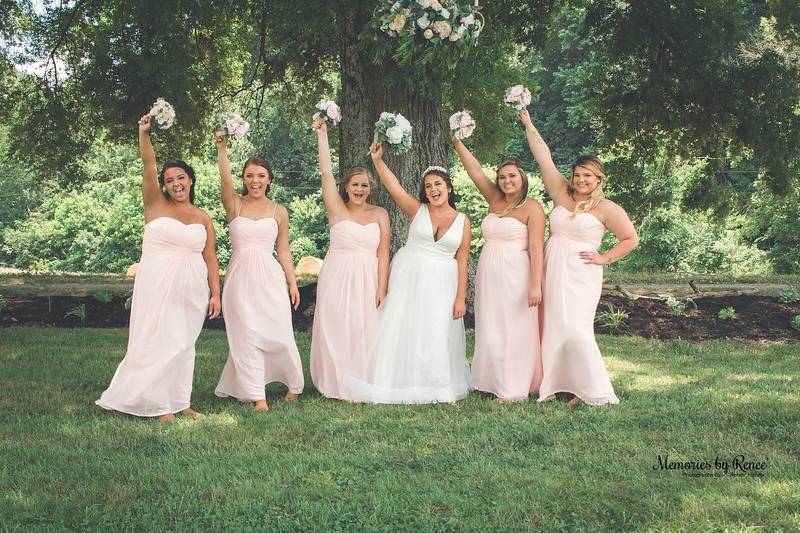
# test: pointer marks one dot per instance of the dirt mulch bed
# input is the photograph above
(757, 317)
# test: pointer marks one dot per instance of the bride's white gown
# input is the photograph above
(417, 352)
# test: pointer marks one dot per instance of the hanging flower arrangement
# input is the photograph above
(420, 30)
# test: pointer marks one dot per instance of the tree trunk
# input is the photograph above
(364, 97)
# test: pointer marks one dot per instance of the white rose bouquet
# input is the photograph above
(234, 126)
(518, 97)
(163, 114)
(394, 131)
(328, 111)
(462, 125)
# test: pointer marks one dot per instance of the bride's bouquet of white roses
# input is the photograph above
(328, 111)
(394, 131)
(163, 114)
(462, 125)
(518, 97)
(234, 126)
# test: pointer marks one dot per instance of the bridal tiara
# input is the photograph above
(437, 168)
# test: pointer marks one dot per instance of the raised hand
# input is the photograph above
(376, 151)
(144, 123)
(219, 140)
(319, 125)
(525, 118)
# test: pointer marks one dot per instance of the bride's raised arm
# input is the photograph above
(407, 203)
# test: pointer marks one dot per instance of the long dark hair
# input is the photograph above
(261, 162)
(177, 163)
(452, 197)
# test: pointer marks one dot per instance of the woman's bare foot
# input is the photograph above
(169, 417)
(501, 401)
(194, 415)
(575, 400)
(290, 396)
(261, 405)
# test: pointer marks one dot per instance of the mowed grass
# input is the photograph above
(319, 464)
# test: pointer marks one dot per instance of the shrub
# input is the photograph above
(301, 247)
(612, 318)
(788, 295)
(103, 296)
(796, 322)
(727, 313)
(78, 311)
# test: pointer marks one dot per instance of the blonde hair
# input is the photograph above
(355, 171)
(523, 193)
(596, 167)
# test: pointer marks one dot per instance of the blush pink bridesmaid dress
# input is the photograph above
(258, 315)
(507, 360)
(170, 301)
(345, 312)
(571, 359)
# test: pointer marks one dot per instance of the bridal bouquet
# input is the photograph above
(163, 114)
(518, 97)
(461, 125)
(234, 126)
(394, 130)
(328, 111)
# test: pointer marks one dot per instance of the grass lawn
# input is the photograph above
(327, 465)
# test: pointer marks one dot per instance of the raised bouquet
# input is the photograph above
(462, 125)
(518, 97)
(234, 126)
(394, 131)
(163, 114)
(328, 111)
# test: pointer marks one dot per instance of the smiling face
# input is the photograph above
(437, 190)
(177, 184)
(256, 180)
(584, 180)
(510, 180)
(357, 189)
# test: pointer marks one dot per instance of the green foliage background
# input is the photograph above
(693, 106)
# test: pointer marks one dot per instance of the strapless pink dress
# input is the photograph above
(571, 359)
(170, 301)
(507, 360)
(345, 312)
(258, 316)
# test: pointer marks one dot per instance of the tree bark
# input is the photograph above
(364, 96)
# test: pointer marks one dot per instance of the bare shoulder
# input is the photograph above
(609, 207)
(533, 207)
(378, 212)
(281, 211)
(204, 217)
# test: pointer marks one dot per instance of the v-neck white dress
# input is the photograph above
(417, 352)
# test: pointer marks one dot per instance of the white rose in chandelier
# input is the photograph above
(442, 27)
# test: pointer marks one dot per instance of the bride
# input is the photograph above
(417, 352)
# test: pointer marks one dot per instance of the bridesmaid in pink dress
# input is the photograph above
(176, 284)
(573, 274)
(258, 315)
(508, 283)
(354, 276)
